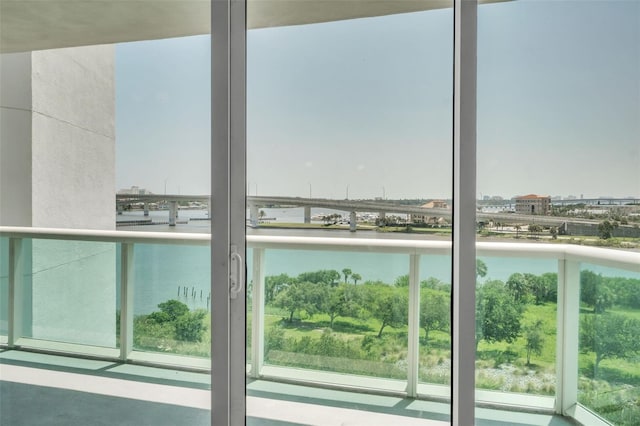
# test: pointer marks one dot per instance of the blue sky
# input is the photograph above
(366, 105)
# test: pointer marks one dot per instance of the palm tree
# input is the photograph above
(518, 228)
(356, 278)
(346, 272)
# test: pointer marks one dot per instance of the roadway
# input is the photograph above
(374, 206)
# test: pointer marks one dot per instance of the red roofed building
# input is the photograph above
(533, 204)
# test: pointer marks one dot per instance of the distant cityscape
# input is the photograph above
(483, 199)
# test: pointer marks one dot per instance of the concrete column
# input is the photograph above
(307, 214)
(382, 215)
(173, 213)
(146, 209)
(352, 222)
(253, 215)
(57, 110)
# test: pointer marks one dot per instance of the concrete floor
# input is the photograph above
(38, 389)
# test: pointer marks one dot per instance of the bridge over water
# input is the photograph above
(254, 203)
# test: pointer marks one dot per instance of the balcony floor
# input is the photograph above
(38, 389)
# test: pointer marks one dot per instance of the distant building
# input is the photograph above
(134, 190)
(533, 204)
(429, 218)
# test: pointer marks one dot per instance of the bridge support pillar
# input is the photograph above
(254, 215)
(173, 213)
(307, 214)
(146, 209)
(382, 215)
(352, 221)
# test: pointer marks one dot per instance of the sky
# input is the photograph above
(363, 108)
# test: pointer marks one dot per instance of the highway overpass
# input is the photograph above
(254, 203)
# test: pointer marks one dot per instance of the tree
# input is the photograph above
(262, 214)
(589, 282)
(605, 298)
(517, 228)
(274, 284)
(302, 296)
(497, 314)
(605, 229)
(326, 276)
(435, 284)
(537, 287)
(402, 281)
(481, 269)
(435, 313)
(173, 309)
(549, 282)
(554, 232)
(535, 229)
(534, 339)
(346, 272)
(343, 301)
(608, 336)
(356, 278)
(190, 327)
(595, 292)
(387, 304)
(518, 286)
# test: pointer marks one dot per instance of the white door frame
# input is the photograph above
(228, 175)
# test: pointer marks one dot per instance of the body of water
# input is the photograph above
(162, 272)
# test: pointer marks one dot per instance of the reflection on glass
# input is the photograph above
(609, 366)
(172, 299)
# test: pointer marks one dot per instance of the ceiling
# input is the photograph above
(27, 25)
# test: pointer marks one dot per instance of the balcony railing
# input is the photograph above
(105, 272)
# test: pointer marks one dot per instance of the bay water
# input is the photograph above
(164, 272)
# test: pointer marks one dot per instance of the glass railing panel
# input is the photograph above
(4, 286)
(172, 299)
(69, 292)
(609, 358)
(516, 325)
(434, 360)
(337, 311)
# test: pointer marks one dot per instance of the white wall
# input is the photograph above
(58, 170)
(74, 138)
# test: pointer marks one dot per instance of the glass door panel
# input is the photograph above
(349, 141)
(558, 162)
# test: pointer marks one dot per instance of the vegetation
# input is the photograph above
(330, 320)
(174, 328)
(605, 229)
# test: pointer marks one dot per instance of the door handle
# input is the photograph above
(236, 277)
